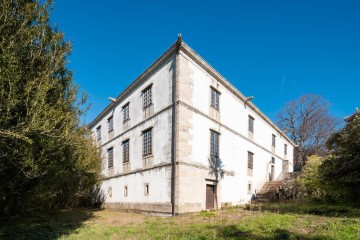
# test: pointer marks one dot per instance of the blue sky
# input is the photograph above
(273, 50)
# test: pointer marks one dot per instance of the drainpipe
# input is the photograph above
(173, 129)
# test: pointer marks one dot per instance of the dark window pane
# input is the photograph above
(110, 158)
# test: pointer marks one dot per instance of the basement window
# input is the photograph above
(110, 191)
(125, 191)
(146, 189)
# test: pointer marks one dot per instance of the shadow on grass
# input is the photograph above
(309, 208)
(44, 225)
(233, 232)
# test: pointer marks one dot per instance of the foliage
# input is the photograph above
(341, 171)
(309, 124)
(46, 158)
(310, 182)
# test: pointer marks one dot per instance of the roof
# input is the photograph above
(199, 60)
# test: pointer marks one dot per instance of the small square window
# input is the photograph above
(215, 99)
(146, 189)
(125, 191)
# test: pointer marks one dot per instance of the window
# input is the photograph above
(285, 149)
(125, 191)
(272, 160)
(273, 140)
(249, 187)
(215, 98)
(125, 109)
(110, 191)
(98, 133)
(251, 124)
(147, 97)
(214, 144)
(110, 123)
(126, 157)
(110, 158)
(250, 160)
(147, 142)
(146, 189)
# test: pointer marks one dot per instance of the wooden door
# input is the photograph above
(210, 196)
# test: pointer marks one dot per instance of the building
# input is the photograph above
(158, 135)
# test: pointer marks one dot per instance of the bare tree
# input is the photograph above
(308, 123)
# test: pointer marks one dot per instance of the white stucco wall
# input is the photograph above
(234, 141)
(161, 142)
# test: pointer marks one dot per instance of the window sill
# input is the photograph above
(144, 108)
(216, 109)
(148, 156)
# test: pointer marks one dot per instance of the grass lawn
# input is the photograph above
(272, 221)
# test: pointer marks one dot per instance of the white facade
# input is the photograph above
(146, 183)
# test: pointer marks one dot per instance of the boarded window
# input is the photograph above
(273, 140)
(126, 113)
(251, 124)
(98, 133)
(147, 101)
(126, 153)
(250, 160)
(215, 99)
(214, 144)
(110, 123)
(110, 158)
(147, 142)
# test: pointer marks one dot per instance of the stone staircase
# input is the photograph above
(269, 192)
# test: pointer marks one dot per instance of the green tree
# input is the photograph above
(310, 182)
(341, 171)
(46, 158)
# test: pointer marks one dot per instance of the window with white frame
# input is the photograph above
(98, 133)
(110, 123)
(147, 142)
(126, 112)
(214, 144)
(147, 96)
(126, 152)
(251, 124)
(250, 160)
(110, 154)
(215, 98)
(273, 142)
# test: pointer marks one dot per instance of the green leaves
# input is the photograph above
(46, 158)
